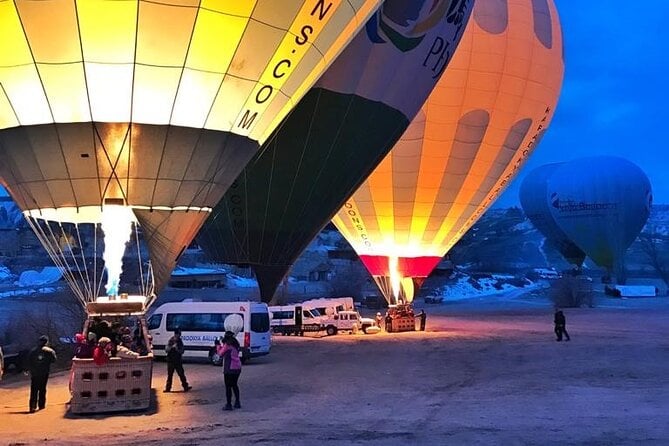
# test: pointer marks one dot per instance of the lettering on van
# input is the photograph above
(196, 338)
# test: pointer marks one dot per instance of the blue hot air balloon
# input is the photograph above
(601, 203)
(535, 203)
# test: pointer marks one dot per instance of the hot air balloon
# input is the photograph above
(334, 137)
(601, 203)
(533, 199)
(484, 117)
(113, 112)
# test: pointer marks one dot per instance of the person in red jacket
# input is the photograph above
(102, 351)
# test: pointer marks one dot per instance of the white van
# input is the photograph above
(202, 323)
(293, 319)
(328, 306)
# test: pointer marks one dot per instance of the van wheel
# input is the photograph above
(331, 331)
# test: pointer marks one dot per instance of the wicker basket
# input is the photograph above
(119, 385)
(404, 323)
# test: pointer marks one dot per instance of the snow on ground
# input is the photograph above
(467, 287)
(32, 278)
(192, 271)
(5, 273)
(234, 281)
(29, 291)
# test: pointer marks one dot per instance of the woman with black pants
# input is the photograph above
(228, 349)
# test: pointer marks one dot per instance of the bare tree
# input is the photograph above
(655, 248)
(349, 281)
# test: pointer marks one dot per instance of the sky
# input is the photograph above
(615, 90)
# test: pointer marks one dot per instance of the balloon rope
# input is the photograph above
(88, 292)
(142, 284)
(41, 235)
(61, 255)
(83, 261)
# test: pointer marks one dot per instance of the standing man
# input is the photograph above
(423, 318)
(560, 325)
(175, 351)
(389, 323)
(40, 359)
(2, 364)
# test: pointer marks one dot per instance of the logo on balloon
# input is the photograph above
(405, 24)
(573, 206)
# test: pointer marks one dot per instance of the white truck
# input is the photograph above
(339, 314)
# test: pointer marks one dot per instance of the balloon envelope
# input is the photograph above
(156, 106)
(535, 203)
(601, 203)
(334, 137)
(484, 117)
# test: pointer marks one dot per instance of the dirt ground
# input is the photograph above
(487, 371)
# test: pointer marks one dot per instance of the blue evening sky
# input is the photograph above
(615, 90)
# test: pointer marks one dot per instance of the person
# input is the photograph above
(102, 351)
(560, 325)
(389, 323)
(228, 349)
(84, 349)
(379, 319)
(175, 351)
(423, 318)
(2, 363)
(124, 350)
(138, 343)
(40, 359)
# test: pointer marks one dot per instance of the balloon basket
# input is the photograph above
(120, 384)
(403, 318)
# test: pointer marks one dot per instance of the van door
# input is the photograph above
(261, 339)
(159, 336)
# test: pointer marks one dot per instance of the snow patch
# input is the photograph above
(32, 278)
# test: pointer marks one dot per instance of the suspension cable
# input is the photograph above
(41, 235)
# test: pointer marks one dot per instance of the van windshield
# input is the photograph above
(198, 321)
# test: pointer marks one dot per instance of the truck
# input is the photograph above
(295, 320)
(330, 308)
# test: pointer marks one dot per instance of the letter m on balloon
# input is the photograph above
(246, 121)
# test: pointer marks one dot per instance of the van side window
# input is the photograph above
(197, 321)
(154, 321)
(260, 322)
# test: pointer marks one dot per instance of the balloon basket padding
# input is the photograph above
(117, 305)
(119, 385)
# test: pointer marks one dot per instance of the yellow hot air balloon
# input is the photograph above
(484, 117)
(146, 111)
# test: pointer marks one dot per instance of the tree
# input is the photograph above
(655, 247)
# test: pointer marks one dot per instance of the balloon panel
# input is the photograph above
(482, 120)
(601, 203)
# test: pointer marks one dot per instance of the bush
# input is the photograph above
(571, 292)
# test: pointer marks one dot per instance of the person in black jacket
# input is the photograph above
(560, 325)
(175, 351)
(40, 359)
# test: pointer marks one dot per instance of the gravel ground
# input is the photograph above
(487, 371)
